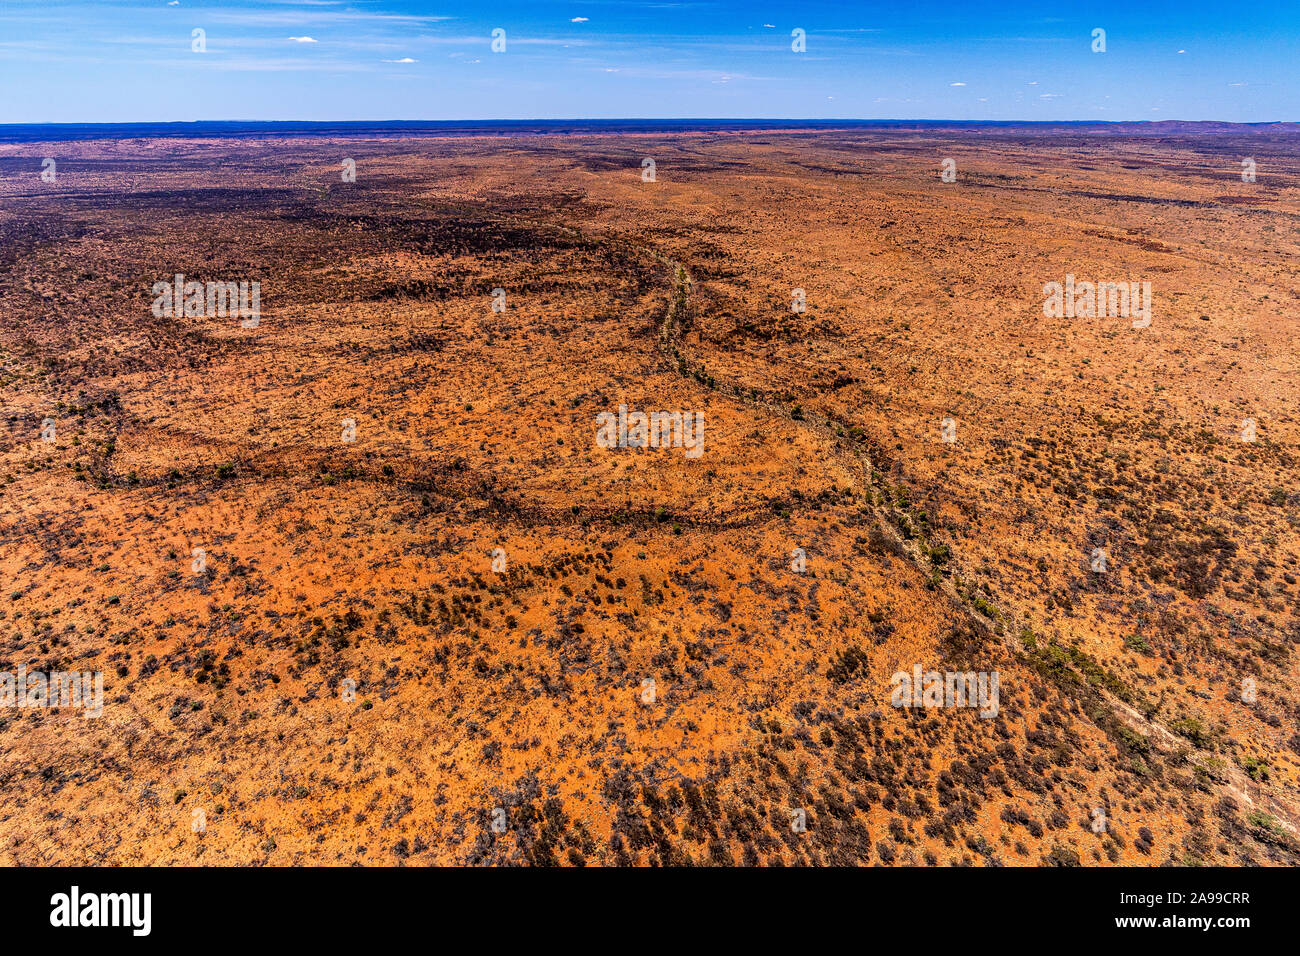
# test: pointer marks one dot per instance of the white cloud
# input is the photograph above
(578, 20)
(405, 59)
(303, 39)
(315, 16)
(1182, 51)
(956, 84)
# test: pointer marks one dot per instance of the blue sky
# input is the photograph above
(131, 60)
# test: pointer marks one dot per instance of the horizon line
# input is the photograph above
(672, 119)
(15, 134)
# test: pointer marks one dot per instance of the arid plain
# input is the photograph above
(431, 619)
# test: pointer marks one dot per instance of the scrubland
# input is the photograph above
(465, 633)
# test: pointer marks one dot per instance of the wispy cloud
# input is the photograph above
(315, 17)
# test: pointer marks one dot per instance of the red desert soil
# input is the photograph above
(438, 622)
